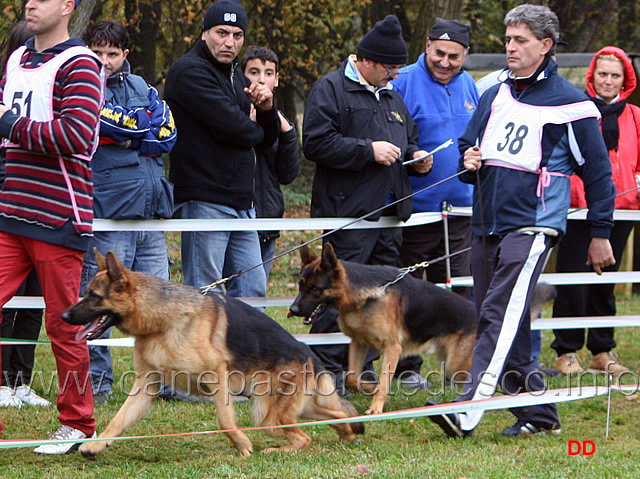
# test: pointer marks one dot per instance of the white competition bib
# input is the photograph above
(513, 136)
(29, 91)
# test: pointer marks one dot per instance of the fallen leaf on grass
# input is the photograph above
(361, 469)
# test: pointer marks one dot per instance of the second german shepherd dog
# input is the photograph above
(210, 345)
(409, 317)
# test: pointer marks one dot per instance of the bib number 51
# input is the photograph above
(21, 105)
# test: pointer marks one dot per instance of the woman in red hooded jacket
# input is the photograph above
(610, 81)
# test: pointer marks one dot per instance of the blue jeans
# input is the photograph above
(212, 255)
(142, 251)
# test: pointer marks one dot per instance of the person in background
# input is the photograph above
(213, 165)
(441, 97)
(54, 85)
(610, 80)
(17, 360)
(358, 132)
(277, 164)
(521, 165)
(136, 128)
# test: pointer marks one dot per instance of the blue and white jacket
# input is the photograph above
(441, 112)
(510, 197)
(136, 127)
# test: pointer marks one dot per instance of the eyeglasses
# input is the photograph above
(389, 72)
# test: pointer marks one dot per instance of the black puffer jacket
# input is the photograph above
(342, 119)
(214, 158)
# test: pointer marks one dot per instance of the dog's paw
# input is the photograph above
(245, 451)
(270, 450)
(91, 449)
(373, 410)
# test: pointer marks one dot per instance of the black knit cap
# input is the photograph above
(226, 12)
(451, 30)
(384, 43)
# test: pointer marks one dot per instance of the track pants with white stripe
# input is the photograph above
(505, 272)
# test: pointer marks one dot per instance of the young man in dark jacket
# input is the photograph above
(276, 164)
(136, 127)
(358, 132)
(213, 165)
(521, 170)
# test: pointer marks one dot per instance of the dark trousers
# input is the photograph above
(17, 360)
(586, 299)
(505, 272)
(375, 246)
(426, 242)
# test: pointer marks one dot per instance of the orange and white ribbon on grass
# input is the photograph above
(493, 403)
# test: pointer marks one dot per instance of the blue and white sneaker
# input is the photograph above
(524, 428)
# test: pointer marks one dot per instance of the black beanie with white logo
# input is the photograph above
(384, 43)
(226, 12)
(451, 30)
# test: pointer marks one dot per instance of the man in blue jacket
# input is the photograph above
(136, 127)
(528, 135)
(358, 132)
(441, 98)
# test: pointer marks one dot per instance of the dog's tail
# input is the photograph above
(327, 397)
(543, 293)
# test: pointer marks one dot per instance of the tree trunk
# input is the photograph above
(81, 18)
(144, 18)
(429, 10)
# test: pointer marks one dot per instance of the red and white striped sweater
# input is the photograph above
(47, 164)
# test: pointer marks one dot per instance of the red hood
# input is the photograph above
(629, 83)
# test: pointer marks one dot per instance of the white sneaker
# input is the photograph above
(64, 433)
(29, 396)
(8, 398)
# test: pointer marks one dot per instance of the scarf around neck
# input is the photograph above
(610, 113)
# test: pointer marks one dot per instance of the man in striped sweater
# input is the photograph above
(51, 97)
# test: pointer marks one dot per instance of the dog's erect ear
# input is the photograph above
(114, 267)
(100, 260)
(329, 258)
(307, 255)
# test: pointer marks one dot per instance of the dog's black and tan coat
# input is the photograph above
(192, 339)
(409, 317)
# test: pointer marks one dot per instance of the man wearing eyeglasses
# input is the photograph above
(358, 132)
(441, 97)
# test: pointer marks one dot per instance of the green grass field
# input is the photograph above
(408, 448)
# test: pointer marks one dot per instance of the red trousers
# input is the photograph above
(59, 269)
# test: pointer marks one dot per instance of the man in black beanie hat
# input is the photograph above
(213, 161)
(358, 132)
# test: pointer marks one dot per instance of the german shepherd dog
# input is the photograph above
(409, 317)
(211, 345)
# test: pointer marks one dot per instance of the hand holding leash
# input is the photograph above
(473, 158)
